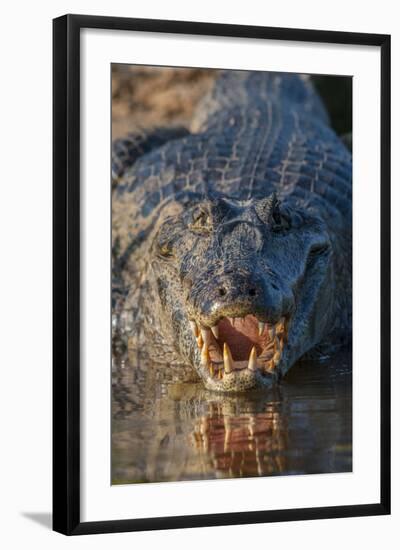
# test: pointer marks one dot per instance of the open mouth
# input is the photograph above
(237, 344)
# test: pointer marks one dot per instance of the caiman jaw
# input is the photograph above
(242, 347)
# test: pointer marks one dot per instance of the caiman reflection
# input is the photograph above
(168, 429)
(241, 443)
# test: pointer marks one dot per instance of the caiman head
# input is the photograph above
(245, 288)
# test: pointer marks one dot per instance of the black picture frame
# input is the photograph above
(66, 273)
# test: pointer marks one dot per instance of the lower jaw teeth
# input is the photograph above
(229, 365)
(266, 362)
(253, 364)
(253, 360)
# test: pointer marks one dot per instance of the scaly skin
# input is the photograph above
(248, 217)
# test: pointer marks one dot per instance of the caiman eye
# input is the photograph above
(165, 251)
(164, 247)
(164, 242)
(201, 222)
(273, 214)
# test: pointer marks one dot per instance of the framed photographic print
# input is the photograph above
(221, 274)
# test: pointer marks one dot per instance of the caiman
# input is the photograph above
(232, 239)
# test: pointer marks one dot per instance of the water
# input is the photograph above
(164, 429)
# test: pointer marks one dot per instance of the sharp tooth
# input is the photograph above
(270, 365)
(200, 341)
(215, 331)
(252, 365)
(271, 333)
(220, 374)
(277, 346)
(228, 361)
(205, 356)
(280, 326)
(195, 328)
(276, 358)
(285, 331)
(261, 327)
(206, 335)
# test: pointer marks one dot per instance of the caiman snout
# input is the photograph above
(237, 294)
(240, 322)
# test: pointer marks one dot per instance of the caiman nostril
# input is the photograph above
(252, 292)
(222, 291)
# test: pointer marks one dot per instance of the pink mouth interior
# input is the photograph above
(241, 336)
